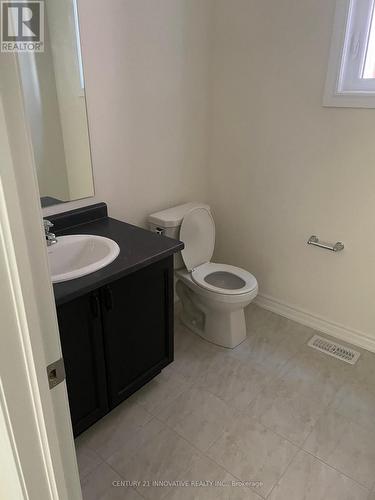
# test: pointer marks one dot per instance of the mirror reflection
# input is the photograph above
(54, 93)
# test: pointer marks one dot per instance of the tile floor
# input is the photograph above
(270, 419)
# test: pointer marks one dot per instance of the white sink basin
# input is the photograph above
(80, 254)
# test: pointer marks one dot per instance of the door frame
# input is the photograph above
(36, 440)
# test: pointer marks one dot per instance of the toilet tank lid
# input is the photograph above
(172, 217)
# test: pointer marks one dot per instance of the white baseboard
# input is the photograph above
(341, 332)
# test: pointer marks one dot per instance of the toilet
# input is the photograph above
(213, 296)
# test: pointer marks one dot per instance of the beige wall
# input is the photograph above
(283, 167)
(146, 71)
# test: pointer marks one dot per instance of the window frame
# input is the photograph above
(77, 33)
(349, 44)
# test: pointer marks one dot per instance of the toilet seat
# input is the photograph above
(224, 279)
(198, 233)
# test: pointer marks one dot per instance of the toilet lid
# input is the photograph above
(198, 233)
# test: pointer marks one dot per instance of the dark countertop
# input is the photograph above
(49, 201)
(138, 249)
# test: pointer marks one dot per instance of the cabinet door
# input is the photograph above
(82, 346)
(138, 328)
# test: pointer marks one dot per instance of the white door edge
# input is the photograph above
(39, 445)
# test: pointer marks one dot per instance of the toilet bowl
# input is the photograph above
(213, 295)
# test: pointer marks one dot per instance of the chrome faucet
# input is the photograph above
(50, 237)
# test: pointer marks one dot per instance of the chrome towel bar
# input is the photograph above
(337, 247)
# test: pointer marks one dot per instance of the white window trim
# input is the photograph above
(81, 91)
(333, 96)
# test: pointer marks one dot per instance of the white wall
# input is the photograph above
(146, 70)
(283, 167)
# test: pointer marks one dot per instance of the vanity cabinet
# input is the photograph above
(115, 339)
(137, 328)
(82, 345)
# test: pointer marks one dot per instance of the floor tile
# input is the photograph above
(232, 380)
(243, 408)
(269, 324)
(161, 391)
(271, 340)
(291, 409)
(309, 479)
(192, 354)
(345, 445)
(201, 470)
(156, 453)
(184, 338)
(205, 480)
(364, 369)
(252, 452)
(357, 402)
(315, 368)
(198, 416)
(87, 459)
(103, 484)
(115, 428)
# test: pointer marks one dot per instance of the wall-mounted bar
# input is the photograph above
(337, 247)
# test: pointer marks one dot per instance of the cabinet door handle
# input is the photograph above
(108, 298)
(95, 306)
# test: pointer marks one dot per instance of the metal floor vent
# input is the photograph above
(336, 350)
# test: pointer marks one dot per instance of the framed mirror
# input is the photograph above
(54, 95)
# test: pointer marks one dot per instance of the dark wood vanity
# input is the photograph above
(116, 325)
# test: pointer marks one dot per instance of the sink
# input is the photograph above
(80, 254)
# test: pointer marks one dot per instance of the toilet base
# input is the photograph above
(223, 326)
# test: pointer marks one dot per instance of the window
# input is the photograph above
(78, 43)
(351, 72)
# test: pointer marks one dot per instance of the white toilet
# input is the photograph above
(213, 296)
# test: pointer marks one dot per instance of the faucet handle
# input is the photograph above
(47, 224)
(50, 237)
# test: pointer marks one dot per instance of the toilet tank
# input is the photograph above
(168, 222)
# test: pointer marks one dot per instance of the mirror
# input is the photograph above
(55, 104)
